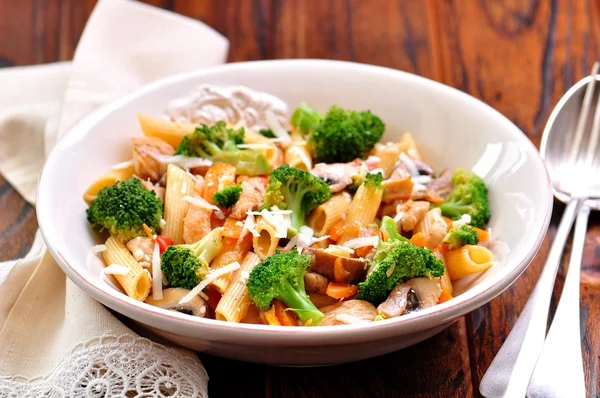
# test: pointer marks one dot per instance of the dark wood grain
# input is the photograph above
(518, 56)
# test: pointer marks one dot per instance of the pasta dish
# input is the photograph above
(233, 209)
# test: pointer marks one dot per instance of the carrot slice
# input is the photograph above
(448, 221)
(336, 230)
(363, 251)
(481, 234)
(445, 296)
(339, 272)
(269, 317)
(219, 174)
(285, 318)
(418, 239)
(232, 228)
(339, 290)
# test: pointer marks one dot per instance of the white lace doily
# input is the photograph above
(111, 366)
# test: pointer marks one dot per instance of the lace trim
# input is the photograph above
(115, 366)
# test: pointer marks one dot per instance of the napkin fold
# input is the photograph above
(55, 339)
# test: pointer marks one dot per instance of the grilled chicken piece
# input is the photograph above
(158, 190)
(396, 302)
(433, 227)
(314, 282)
(338, 175)
(355, 308)
(335, 267)
(253, 191)
(144, 164)
(142, 249)
(442, 185)
(413, 213)
(196, 222)
(394, 190)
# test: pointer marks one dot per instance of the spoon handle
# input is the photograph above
(559, 370)
(510, 371)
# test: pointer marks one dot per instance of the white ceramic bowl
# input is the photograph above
(451, 128)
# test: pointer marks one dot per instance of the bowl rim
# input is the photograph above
(436, 315)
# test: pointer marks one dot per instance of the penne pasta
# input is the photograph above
(327, 214)
(231, 251)
(107, 180)
(433, 227)
(136, 283)
(407, 144)
(467, 260)
(264, 243)
(362, 212)
(297, 155)
(389, 156)
(170, 132)
(179, 185)
(235, 302)
(271, 152)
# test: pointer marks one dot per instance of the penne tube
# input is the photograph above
(179, 185)
(407, 144)
(327, 214)
(433, 227)
(136, 283)
(467, 260)
(168, 131)
(363, 209)
(235, 302)
(107, 180)
(231, 251)
(271, 152)
(264, 243)
(297, 155)
(389, 156)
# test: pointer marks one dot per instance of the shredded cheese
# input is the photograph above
(138, 255)
(203, 204)
(157, 292)
(362, 242)
(409, 163)
(350, 319)
(122, 165)
(464, 220)
(399, 216)
(305, 159)
(116, 269)
(182, 161)
(339, 250)
(212, 275)
(390, 270)
(204, 296)
(278, 219)
(244, 275)
(98, 249)
(276, 127)
(421, 180)
(255, 146)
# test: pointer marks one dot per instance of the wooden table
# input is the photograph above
(518, 56)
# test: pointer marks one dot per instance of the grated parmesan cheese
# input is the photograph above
(138, 255)
(409, 163)
(212, 275)
(182, 161)
(276, 127)
(97, 249)
(464, 220)
(255, 146)
(203, 204)
(305, 159)
(244, 276)
(157, 292)
(116, 269)
(362, 242)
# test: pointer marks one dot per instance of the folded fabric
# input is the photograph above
(56, 340)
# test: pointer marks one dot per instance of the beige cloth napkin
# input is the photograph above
(55, 339)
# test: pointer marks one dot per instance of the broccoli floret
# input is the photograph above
(297, 190)
(389, 225)
(267, 133)
(227, 196)
(373, 181)
(342, 136)
(281, 277)
(305, 119)
(463, 235)
(219, 144)
(186, 265)
(469, 196)
(396, 261)
(124, 208)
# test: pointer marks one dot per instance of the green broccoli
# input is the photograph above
(227, 196)
(469, 196)
(281, 277)
(267, 133)
(342, 136)
(463, 235)
(396, 261)
(186, 265)
(297, 190)
(219, 144)
(389, 225)
(124, 208)
(305, 119)
(373, 180)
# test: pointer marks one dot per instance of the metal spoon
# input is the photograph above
(510, 371)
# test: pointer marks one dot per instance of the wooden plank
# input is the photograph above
(16, 32)
(520, 57)
(17, 223)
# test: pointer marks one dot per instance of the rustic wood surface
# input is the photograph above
(518, 56)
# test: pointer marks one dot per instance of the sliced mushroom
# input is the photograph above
(442, 185)
(427, 290)
(423, 168)
(396, 302)
(314, 282)
(338, 175)
(335, 267)
(170, 301)
(360, 309)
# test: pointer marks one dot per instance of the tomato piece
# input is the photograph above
(164, 242)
